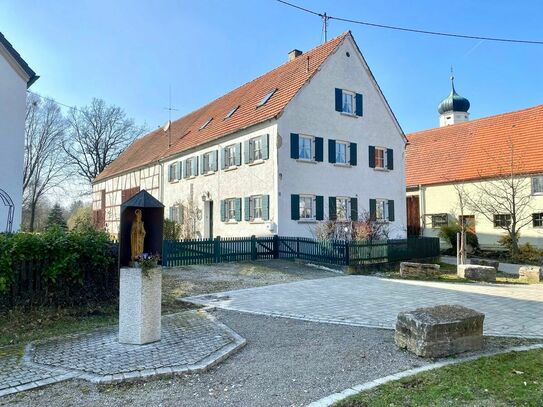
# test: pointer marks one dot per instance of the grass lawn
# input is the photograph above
(512, 379)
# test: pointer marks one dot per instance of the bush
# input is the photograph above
(172, 230)
(57, 267)
(528, 253)
(449, 232)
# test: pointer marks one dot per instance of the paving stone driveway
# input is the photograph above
(511, 310)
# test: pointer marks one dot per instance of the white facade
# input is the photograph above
(13, 85)
(448, 118)
(277, 178)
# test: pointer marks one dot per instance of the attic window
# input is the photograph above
(203, 126)
(266, 98)
(231, 112)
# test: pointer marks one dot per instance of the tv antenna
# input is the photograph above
(168, 126)
(325, 19)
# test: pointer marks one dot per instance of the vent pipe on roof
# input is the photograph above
(295, 53)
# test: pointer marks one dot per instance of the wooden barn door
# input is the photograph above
(413, 216)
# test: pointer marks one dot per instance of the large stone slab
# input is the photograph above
(529, 274)
(477, 273)
(408, 269)
(485, 262)
(139, 306)
(440, 331)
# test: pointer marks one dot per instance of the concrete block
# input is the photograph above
(140, 306)
(477, 273)
(529, 274)
(485, 262)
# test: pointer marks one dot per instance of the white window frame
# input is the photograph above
(230, 156)
(230, 209)
(304, 199)
(172, 169)
(311, 141)
(346, 146)
(381, 210)
(537, 218)
(384, 160)
(207, 159)
(256, 209)
(538, 180)
(343, 208)
(349, 95)
(255, 148)
(188, 167)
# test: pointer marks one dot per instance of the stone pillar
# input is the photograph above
(139, 305)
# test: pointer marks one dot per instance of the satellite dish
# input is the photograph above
(167, 125)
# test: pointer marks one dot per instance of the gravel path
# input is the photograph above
(285, 363)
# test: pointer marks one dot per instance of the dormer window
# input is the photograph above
(231, 112)
(203, 126)
(266, 98)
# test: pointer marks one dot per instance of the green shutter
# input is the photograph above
(223, 158)
(319, 149)
(202, 166)
(170, 172)
(179, 169)
(359, 106)
(247, 208)
(265, 146)
(237, 206)
(332, 151)
(339, 100)
(391, 210)
(319, 207)
(332, 208)
(373, 209)
(223, 210)
(266, 207)
(238, 153)
(371, 156)
(294, 146)
(354, 209)
(246, 152)
(216, 160)
(295, 207)
(390, 159)
(353, 160)
(194, 165)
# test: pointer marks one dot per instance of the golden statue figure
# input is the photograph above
(137, 235)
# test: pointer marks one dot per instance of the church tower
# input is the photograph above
(454, 108)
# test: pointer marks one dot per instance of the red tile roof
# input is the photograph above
(186, 133)
(474, 149)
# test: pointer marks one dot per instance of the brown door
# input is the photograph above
(413, 216)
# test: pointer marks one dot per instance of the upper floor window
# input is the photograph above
(537, 185)
(380, 158)
(502, 220)
(348, 102)
(209, 163)
(306, 207)
(230, 155)
(174, 171)
(255, 148)
(191, 167)
(537, 220)
(341, 152)
(305, 148)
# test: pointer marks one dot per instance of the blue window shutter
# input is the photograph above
(319, 149)
(265, 207)
(265, 146)
(237, 206)
(223, 210)
(332, 208)
(216, 161)
(223, 158)
(391, 210)
(294, 146)
(238, 153)
(354, 209)
(390, 159)
(319, 207)
(339, 100)
(353, 159)
(332, 151)
(371, 156)
(247, 208)
(373, 209)
(295, 207)
(246, 152)
(359, 102)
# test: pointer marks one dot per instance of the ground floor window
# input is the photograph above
(468, 221)
(537, 219)
(381, 209)
(306, 207)
(502, 220)
(439, 219)
(230, 206)
(342, 208)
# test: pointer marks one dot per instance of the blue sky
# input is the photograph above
(129, 52)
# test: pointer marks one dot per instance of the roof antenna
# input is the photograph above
(325, 26)
(168, 126)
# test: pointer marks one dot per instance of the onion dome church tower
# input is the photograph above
(454, 108)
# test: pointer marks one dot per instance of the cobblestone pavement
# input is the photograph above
(191, 341)
(511, 310)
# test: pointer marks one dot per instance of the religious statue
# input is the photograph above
(137, 235)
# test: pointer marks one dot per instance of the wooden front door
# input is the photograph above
(413, 216)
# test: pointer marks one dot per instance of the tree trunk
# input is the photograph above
(32, 217)
(514, 245)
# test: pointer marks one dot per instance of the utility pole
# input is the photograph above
(325, 26)
(168, 126)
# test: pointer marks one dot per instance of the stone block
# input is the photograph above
(477, 273)
(485, 262)
(408, 269)
(440, 331)
(529, 274)
(139, 306)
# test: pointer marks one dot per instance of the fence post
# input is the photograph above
(297, 247)
(275, 246)
(217, 249)
(347, 253)
(253, 247)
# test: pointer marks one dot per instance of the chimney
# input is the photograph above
(295, 53)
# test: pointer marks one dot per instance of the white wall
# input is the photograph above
(12, 122)
(312, 112)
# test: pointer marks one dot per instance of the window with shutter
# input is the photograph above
(265, 207)
(307, 210)
(341, 152)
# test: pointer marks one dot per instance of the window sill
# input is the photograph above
(231, 222)
(381, 169)
(307, 220)
(209, 173)
(344, 165)
(301, 160)
(191, 177)
(175, 181)
(257, 221)
(349, 114)
(234, 167)
(256, 162)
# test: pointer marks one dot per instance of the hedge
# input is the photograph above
(57, 267)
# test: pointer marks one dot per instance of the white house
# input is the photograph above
(311, 140)
(15, 77)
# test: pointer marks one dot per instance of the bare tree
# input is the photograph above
(43, 170)
(98, 133)
(365, 228)
(507, 194)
